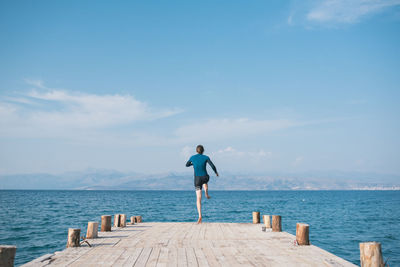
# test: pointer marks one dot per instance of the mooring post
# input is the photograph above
(256, 217)
(276, 223)
(106, 223)
(132, 219)
(122, 220)
(92, 230)
(302, 234)
(267, 221)
(117, 219)
(138, 219)
(7, 255)
(74, 237)
(371, 254)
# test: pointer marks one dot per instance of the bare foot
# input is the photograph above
(207, 196)
(199, 220)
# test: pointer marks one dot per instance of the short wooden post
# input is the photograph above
(256, 217)
(122, 220)
(117, 219)
(371, 254)
(106, 223)
(92, 230)
(132, 219)
(267, 221)
(7, 255)
(74, 237)
(276, 223)
(302, 234)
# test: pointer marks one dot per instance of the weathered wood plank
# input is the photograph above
(182, 259)
(191, 257)
(129, 257)
(163, 257)
(152, 261)
(143, 257)
(210, 257)
(173, 256)
(201, 258)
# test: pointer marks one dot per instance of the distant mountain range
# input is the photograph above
(114, 180)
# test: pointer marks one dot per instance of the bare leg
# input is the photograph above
(198, 194)
(206, 191)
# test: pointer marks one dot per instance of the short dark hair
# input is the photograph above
(200, 149)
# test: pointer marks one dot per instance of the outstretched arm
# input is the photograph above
(212, 166)
(189, 163)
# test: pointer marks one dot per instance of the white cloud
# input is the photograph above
(57, 111)
(232, 152)
(217, 129)
(347, 11)
(36, 83)
(90, 110)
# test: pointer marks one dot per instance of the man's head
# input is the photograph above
(200, 149)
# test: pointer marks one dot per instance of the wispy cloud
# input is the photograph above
(217, 129)
(50, 110)
(113, 120)
(37, 83)
(232, 152)
(347, 11)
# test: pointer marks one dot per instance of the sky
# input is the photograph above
(287, 86)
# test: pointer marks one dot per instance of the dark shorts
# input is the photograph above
(200, 180)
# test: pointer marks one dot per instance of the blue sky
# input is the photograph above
(263, 85)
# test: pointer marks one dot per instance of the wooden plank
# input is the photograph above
(191, 257)
(202, 232)
(109, 261)
(163, 257)
(152, 261)
(190, 231)
(195, 232)
(128, 258)
(172, 256)
(220, 257)
(99, 255)
(210, 256)
(222, 228)
(201, 258)
(219, 233)
(182, 259)
(143, 257)
(180, 237)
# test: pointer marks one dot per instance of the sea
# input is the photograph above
(37, 221)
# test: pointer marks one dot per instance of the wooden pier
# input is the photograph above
(189, 244)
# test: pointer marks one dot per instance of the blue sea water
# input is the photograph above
(38, 221)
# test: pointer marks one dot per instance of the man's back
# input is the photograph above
(199, 162)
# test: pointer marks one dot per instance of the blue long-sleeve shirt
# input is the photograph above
(199, 162)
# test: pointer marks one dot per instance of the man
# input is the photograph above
(199, 162)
